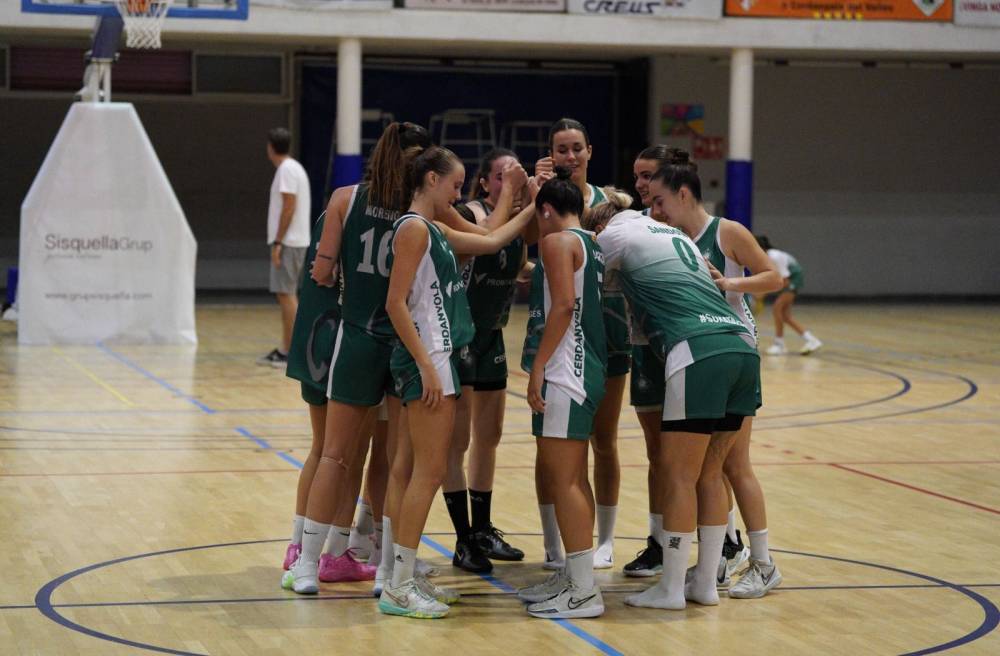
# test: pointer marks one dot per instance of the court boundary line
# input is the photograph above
(153, 377)
(915, 488)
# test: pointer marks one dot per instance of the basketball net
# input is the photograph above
(143, 21)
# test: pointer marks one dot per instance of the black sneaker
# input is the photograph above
(649, 561)
(470, 557)
(273, 359)
(730, 549)
(491, 542)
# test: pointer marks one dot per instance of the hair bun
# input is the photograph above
(680, 157)
(562, 173)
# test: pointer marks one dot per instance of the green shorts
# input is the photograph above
(714, 387)
(647, 385)
(359, 371)
(406, 374)
(483, 363)
(795, 283)
(313, 395)
(563, 417)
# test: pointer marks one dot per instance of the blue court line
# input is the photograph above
(591, 639)
(262, 443)
(44, 596)
(505, 590)
(156, 379)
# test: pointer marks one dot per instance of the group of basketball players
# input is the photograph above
(398, 345)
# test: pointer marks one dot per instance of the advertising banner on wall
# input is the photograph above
(697, 9)
(977, 13)
(106, 252)
(326, 5)
(554, 6)
(909, 10)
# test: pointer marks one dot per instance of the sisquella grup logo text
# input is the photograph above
(57, 245)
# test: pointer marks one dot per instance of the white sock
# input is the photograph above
(758, 546)
(338, 541)
(375, 557)
(731, 526)
(710, 539)
(313, 536)
(606, 525)
(364, 519)
(779, 341)
(403, 564)
(656, 527)
(676, 551)
(550, 531)
(297, 524)
(580, 568)
(809, 337)
(387, 553)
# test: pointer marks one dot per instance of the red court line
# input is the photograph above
(917, 489)
(156, 473)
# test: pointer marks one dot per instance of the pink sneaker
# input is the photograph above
(291, 555)
(345, 568)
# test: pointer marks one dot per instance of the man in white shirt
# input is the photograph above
(287, 235)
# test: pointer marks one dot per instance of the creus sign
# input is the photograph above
(903, 10)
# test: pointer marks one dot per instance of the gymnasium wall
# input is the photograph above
(213, 153)
(877, 178)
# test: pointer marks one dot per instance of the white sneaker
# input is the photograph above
(408, 600)
(446, 596)
(734, 564)
(572, 602)
(777, 349)
(758, 579)
(604, 556)
(382, 577)
(554, 563)
(811, 345)
(302, 578)
(424, 568)
(550, 587)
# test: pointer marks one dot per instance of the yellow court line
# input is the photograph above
(94, 377)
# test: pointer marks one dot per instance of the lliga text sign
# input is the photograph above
(911, 10)
(554, 6)
(978, 13)
(698, 9)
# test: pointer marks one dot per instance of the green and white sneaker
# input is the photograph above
(571, 603)
(408, 600)
(756, 581)
(550, 587)
(446, 596)
(301, 578)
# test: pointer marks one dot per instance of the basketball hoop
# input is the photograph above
(143, 21)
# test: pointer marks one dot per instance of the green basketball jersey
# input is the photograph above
(596, 195)
(579, 362)
(364, 264)
(671, 291)
(437, 301)
(709, 242)
(315, 326)
(491, 281)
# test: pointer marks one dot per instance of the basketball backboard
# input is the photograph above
(213, 9)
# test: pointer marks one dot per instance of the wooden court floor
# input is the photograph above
(146, 496)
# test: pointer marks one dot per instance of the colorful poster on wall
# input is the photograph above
(557, 6)
(908, 10)
(698, 9)
(680, 119)
(977, 13)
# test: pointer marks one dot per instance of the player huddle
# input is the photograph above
(399, 348)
